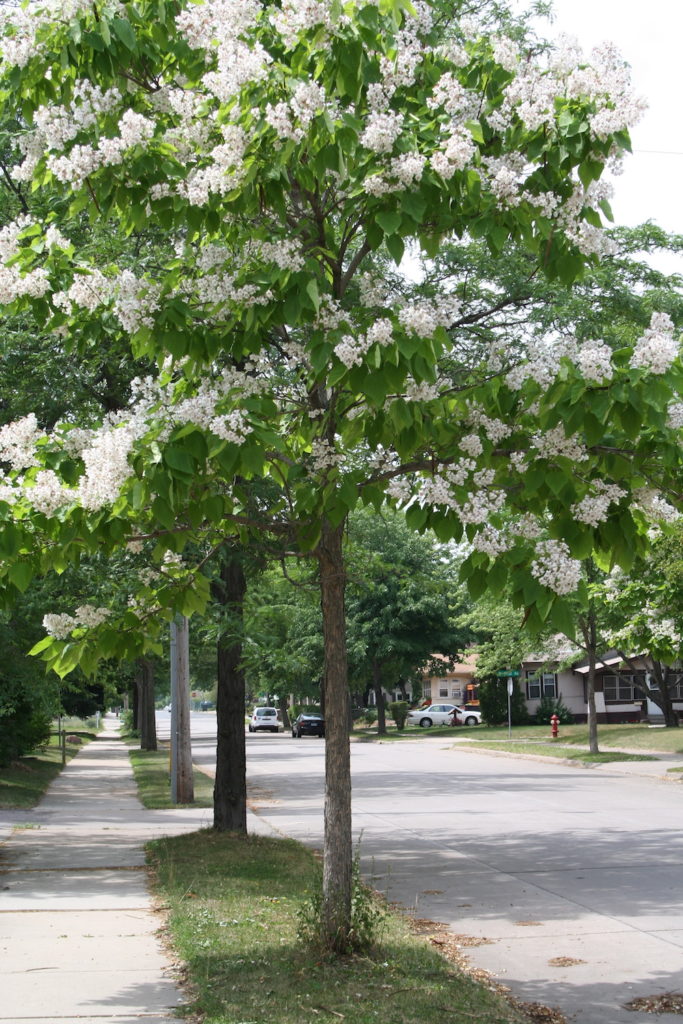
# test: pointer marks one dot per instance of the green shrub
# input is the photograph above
(22, 728)
(553, 706)
(370, 716)
(493, 702)
(399, 712)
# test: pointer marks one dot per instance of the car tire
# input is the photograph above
(251, 728)
(425, 723)
(471, 720)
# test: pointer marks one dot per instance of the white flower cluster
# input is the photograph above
(655, 507)
(657, 349)
(350, 350)
(82, 161)
(471, 444)
(291, 120)
(455, 154)
(594, 360)
(424, 316)
(286, 254)
(106, 466)
(544, 356)
(555, 443)
(62, 626)
(593, 509)
(381, 130)
(494, 429)
(297, 16)
(224, 173)
(675, 416)
(18, 442)
(13, 281)
(324, 456)
(491, 541)
(554, 567)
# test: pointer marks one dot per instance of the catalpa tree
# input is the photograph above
(289, 149)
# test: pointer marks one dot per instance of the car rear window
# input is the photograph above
(265, 712)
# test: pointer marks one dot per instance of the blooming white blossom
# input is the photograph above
(594, 360)
(554, 567)
(593, 509)
(62, 626)
(657, 349)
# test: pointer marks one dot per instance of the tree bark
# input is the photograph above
(589, 629)
(146, 716)
(379, 698)
(661, 674)
(337, 850)
(284, 713)
(182, 779)
(230, 786)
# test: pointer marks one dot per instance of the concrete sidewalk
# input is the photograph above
(77, 928)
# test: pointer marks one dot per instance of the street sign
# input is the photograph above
(508, 673)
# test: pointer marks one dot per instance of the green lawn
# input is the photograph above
(152, 775)
(643, 738)
(556, 749)
(233, 905)
(25, 781)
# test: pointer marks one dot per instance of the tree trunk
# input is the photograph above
(662, 697)
(146, 716)
(379, 698)
(136, 708)
(337, 849)
(591, 641)
(182, 779)
(230, 786)
(284, 713)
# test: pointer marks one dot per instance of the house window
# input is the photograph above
(541, 684)
(428, 692)
(456, 693)
(443, 691)
(676, 687)
(618, 688)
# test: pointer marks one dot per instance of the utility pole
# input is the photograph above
(182, 783)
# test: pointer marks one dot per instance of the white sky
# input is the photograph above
(649, 36)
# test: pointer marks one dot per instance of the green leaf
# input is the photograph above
(390, 221)
(313, 293)
(396, 247)
(124, 30)
(21, 574)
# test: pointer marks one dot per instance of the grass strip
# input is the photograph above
(551, 749)
(233, 903)
(152, 771)
(24, 782)
(627, 736)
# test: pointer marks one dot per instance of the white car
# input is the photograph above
(265, 719)
(443, 714)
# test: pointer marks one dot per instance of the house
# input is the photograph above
(456, 683)
(618, 697)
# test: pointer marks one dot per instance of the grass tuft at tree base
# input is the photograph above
(233, 903)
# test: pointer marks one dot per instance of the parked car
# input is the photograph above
(265, 719)
(466, 716)
(435, 714)
(206, 705)
(308, 725)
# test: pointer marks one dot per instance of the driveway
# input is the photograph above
(571, 875)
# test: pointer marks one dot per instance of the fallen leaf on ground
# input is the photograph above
(565, 961)
(668, 1002)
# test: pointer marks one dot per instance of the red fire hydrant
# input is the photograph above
(555, 726)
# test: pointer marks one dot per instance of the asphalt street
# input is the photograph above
(571, 875)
